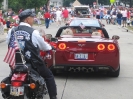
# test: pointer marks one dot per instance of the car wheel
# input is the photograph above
(114, 74)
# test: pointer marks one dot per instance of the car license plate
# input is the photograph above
(16, 91)
(81, 56)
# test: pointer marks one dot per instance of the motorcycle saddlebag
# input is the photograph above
(6, 91)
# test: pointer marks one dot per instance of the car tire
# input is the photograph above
(114, 73)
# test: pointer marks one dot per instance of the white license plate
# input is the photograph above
(81, 56)
(16, 91)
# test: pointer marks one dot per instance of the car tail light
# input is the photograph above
(2, 85)
(111, 47)
(101, 47)
(62, 46)
(16, 84)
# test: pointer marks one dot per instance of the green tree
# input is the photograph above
(18, 4)
(1, 3)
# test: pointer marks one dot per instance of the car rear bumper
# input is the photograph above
(89, 68)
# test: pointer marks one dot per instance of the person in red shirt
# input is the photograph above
(65, 15)
(128, 14)
(47, 18)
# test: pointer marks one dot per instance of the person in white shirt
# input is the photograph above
(124, 16)
(58, 16)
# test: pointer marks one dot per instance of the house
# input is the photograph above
(56, 3)
(76, 3)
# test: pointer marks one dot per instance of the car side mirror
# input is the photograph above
(115, 37)
(54, 39)
(67, 24)
(103, 25)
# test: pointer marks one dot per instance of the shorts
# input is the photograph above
(65, 19)
(58, 19)
(124, 18)
(98, 17)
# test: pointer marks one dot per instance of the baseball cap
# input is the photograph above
(26, 13)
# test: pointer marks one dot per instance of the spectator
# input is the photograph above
(124, 18)
(39, 17)
(8, 24)
(119, 18)
(65, 15)
(128, 22)
(97, 14)
(101, 14)
(47, 19)
(114, 16)
(20, 11)
(58, 16)
(1, 26)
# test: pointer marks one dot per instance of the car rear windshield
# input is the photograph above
(85, 23)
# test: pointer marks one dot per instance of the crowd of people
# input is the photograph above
(57, 15)
(115, 15)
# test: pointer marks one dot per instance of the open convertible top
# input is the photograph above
(105, 33)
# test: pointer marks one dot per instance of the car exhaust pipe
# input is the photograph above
(84, 69)
(77, 69)
(71, 69)
(90, 69)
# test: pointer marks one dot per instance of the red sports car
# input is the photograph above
(85, 48)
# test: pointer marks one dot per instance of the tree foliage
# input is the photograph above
(1, 3)
(18, 4)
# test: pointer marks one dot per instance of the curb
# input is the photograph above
(128, 30)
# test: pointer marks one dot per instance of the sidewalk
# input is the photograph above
(3, 37)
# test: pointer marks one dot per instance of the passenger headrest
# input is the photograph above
(67, 32)
(96, 34)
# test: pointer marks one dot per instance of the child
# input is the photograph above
(8, 24)
(128, 22)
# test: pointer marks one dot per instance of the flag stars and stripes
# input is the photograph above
(10, 55)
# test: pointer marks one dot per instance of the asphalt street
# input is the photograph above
(91, 86)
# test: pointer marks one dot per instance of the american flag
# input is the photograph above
(82, 26)
(10, 55)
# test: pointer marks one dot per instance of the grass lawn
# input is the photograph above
(130, 28)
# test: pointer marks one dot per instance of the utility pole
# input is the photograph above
(97, 3)
(130, 1)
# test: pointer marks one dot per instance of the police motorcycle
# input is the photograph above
(24, 82)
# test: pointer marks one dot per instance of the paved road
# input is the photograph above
(92, 86)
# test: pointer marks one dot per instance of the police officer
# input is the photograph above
(31, 43)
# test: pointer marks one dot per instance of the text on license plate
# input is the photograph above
(81, 56)
(16, 91)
